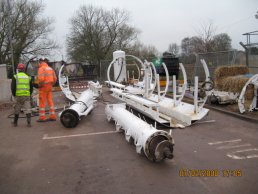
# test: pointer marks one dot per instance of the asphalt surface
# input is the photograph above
(216, 155)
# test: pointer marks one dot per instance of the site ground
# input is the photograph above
(93, 158)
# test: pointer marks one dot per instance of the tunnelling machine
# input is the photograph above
(82, 106)
(157, 145)
(147, 97)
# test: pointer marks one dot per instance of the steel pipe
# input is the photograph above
(157, 145)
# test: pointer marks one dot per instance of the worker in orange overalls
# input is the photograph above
(46, 79)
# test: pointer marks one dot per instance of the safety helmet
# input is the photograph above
(21, 67)
(43, 59)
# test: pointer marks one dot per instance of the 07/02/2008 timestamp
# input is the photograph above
(210, 173)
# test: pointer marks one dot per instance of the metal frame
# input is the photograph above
(160, 108)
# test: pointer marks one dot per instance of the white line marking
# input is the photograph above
(235, 156)
(247, 150)
(220, 142)
(233, 146)
(45, 137)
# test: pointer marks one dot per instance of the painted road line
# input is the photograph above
(46, 137)
(233, 146)
(228, 141)
(237, 154)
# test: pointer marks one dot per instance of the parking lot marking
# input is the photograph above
(237, 154)
(46, 137)
(232, 146)
(221, 142)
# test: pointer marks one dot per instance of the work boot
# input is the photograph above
(40, 120)
(51, 119)
(15, 120)
(28, 119)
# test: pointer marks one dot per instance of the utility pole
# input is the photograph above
(10, 33)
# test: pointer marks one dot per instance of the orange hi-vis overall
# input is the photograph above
(46, 79)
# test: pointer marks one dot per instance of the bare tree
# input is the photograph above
(206, 41)
(142, 51)
(206, 34)
(222, 42)
(173, 48)
(96, 32)
(28, 31)
(191, 45)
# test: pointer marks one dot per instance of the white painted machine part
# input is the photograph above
(115, 85)
(148, 77)
(157, 145)
(117, 55)
(174, 90)
(223, 97)
(95, 87)
(158, 87)
(253, 80)
(155, 78)
(108, 70)
(206, 70)
(196, 109)
(138, 69)
(163, 110)
(177, 98)
(64, 85)
(184, 87)
(119, 66)
(147, 80)
(167, 80)
(81, 107)
(199, 104)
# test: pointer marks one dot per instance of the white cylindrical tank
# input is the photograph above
(119, 66)
(157, 145)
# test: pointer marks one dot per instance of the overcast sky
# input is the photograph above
(162, 22)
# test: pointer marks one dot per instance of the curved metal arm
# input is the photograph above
(241, 99)
(185, 82)
(139, 60)
(155, 77)
(108, 70)
(167, 79)
(200, 104)
(110, 65)
(206, 70)
(64, 85)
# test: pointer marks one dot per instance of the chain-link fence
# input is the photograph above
(192, 64)
(253, 63)
(214, 59)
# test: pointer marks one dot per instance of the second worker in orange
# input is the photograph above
(46, 79)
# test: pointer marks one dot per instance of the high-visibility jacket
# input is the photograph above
(22, 84)
(46, 75)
